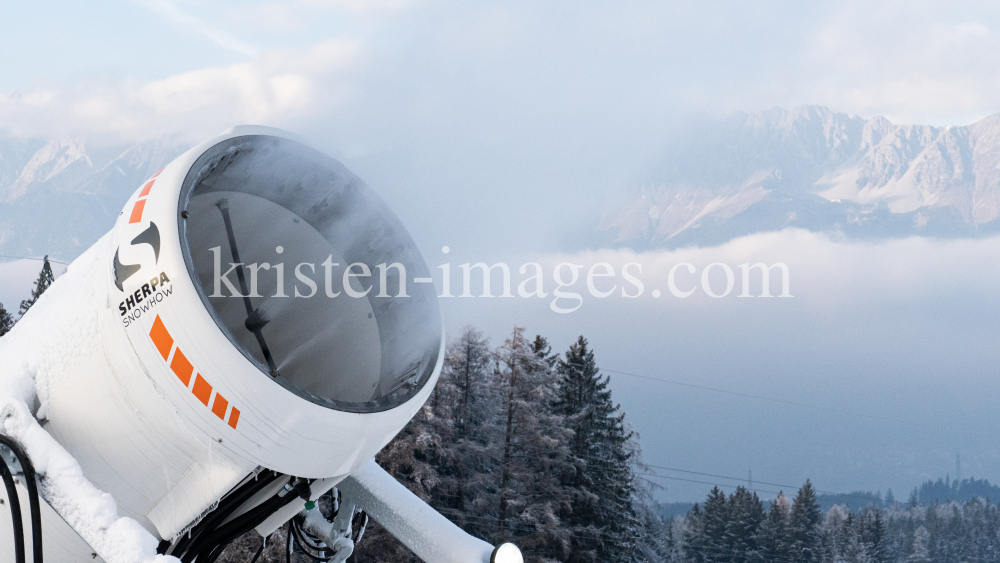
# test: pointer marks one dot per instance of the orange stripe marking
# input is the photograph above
(137, 211)
(202, 389)
(219, 406)
(182, 367)
(146, 188)
(161, 338)
(158, 173)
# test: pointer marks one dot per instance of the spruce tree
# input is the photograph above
(875, 537)
(716, 518)
(804, 525)
(6, 321)
(921, 546)
(745, 514)
(603, 514)
(772, 535)
(693, 536)
(45, 279)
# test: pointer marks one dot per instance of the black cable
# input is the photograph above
(32, 258)
(758, 397)
(361, 516)
(300, 537)
(29, 482)
(226, 533)
(226, 507)
(216, 553)
(288, 544)
(260, 550)
(15, 511)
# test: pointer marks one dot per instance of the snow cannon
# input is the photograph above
(230, 357)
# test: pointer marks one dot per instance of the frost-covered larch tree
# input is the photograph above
(532, 448)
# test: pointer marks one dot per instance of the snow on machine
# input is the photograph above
(253, 330)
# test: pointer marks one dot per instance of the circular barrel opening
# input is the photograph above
(309, 274)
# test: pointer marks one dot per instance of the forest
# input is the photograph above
(739, 528)
(518, 443)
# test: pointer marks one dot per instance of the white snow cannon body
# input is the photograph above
(254, 329)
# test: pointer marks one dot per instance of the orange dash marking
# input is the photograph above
(219, 406)
(202, 389)
(161, 338)
(182, 367)
(137, 211)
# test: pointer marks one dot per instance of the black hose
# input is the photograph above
(307, 539)
(260, 550)
(15, 511)
(288, 545)
(303, 544)
(226, 507)
(243, 523)
(29, 483)
(216, 553)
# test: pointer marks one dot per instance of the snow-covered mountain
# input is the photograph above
(59, 196)
(820, 170)
(810, 168)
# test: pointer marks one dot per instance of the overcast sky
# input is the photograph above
(499, 129)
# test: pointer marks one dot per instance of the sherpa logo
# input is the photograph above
(148, 294)
(122, 272)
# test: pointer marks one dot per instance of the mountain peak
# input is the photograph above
(81, 190)
(61, 160)
(814, 168)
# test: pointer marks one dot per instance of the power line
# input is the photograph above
(758, 397)
(790, 487)
(32, 258)
(658, 476)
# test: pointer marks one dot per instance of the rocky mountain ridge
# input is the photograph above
(820, 170)
(58, 196)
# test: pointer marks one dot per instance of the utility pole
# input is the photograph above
(750, 479)
(958, 468)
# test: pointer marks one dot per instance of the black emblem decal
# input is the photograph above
(150, 236)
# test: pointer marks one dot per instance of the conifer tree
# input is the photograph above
(466, 375)
(45, 279)
(533, 453)
(603, 513)
(804, 524)
(772, 535)
(921, 547)
(442, 455)
(875, 537)
(693, 536)
(465, 403)
(6, 321)
(745, 514)
(716, 518)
